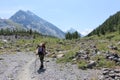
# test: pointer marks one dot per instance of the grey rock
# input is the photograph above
(117, 74)
(18, 50)
(112, 75)
(1, 58)
(91, 64)
(105, 72)
(112, 47)
(1, 47)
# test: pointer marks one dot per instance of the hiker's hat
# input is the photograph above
(40, 44)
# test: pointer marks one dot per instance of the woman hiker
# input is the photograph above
(41, 51)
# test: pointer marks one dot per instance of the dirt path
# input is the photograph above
(24, 66)
(25, 74)
(54, 71)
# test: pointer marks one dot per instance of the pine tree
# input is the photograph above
(97, 32)
(2, 31)
(68, 35)
(75, 35)
(119, 28)
(30, 32)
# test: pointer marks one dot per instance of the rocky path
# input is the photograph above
(11, 65)
(24, 66)
(53, 71)
(25, 73)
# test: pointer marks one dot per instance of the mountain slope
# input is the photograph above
(9, 24)
(112, 24)
(31, 21)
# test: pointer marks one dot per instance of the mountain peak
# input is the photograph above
(31, 21)
(71, 30)
(29, 12)
(20, 12)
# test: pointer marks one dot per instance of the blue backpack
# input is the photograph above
(40, 49)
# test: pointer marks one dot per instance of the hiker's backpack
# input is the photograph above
(40, 49)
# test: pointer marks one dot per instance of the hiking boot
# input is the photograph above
(41, 67)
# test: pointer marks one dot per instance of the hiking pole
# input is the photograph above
(45, 62)
(35, 64)
(45, 59)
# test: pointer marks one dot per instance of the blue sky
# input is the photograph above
(82, 15)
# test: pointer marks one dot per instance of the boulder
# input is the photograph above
(53, 56)
(18, 50)
(112, 47)
(5, 41)
(60, 55)
(1, 47)
(91, 64)
(118, 43)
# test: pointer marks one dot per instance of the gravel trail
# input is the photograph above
(25, 66)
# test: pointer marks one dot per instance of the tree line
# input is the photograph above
(74, 35)
(8, 31)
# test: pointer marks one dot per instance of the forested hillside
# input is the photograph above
(112, 24)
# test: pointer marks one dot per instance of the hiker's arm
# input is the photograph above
(36, 52)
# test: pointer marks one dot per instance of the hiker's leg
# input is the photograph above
(41, 60)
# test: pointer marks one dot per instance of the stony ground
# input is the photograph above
(25, 66)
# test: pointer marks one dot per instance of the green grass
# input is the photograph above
(70, 46)
(67, 58)
(102, 46)
(103, 62)
(106, 63)
(82, 64)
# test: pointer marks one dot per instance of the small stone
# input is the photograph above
(18, 49)
(112, 75)
(117, 78)
(117, 74)
(1, 59)
(117, 70)
(105, 72)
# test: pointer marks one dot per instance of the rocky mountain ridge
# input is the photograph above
(31, 21)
